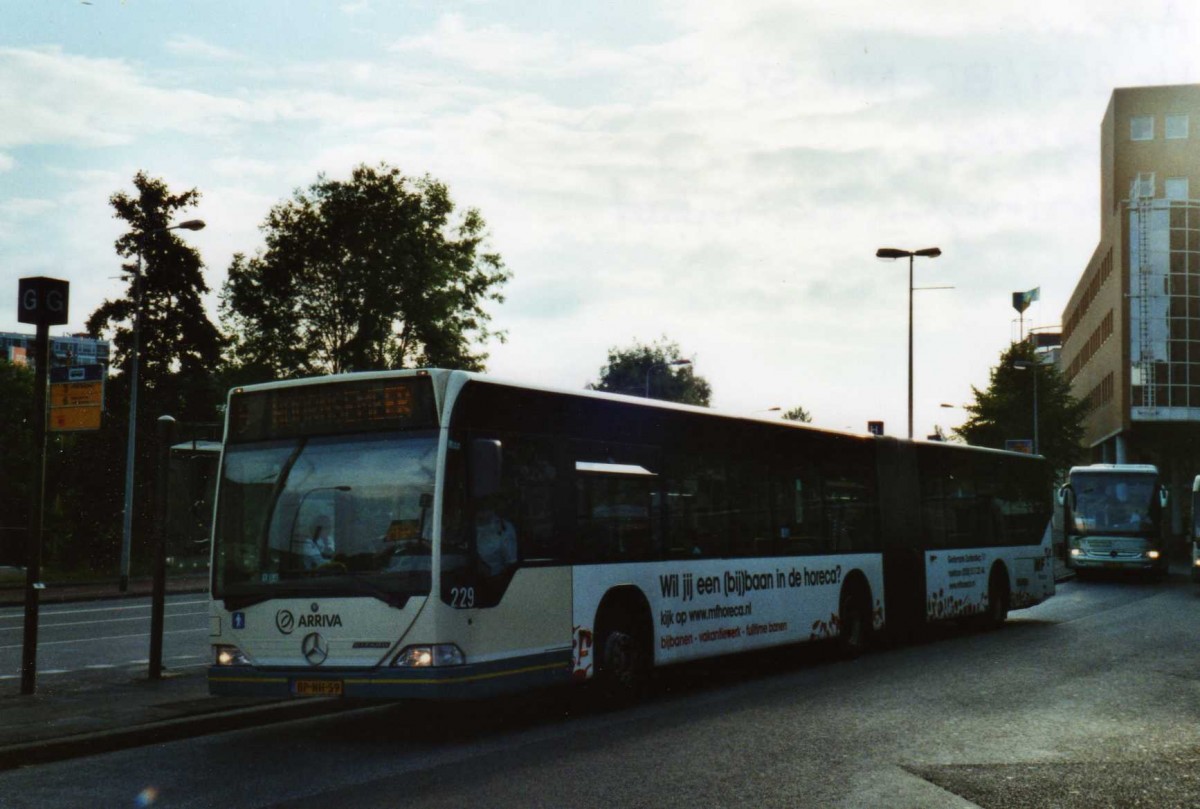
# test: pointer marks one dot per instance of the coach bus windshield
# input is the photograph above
(1112, 503)
(342, 515)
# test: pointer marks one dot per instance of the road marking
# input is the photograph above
(107, 620)
(131, 664)
(20, 613)
(201, 630)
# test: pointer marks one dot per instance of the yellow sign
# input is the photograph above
(76, 405)
(64, 419)
(76, 394)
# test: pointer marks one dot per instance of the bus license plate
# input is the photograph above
(317, 688)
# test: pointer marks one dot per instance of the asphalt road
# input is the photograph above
(1090, 700)
(99, 639)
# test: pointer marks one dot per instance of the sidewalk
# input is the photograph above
(87, 717)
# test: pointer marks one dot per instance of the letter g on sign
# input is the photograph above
(43, 301)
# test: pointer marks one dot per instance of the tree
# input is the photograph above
(369, 273)
(798, 414)
(1005, 410)
(656, 371)
(179, 350)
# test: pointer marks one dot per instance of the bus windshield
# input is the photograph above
(344, 515)
(1109, 503)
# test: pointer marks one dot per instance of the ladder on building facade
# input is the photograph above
(1142, 199)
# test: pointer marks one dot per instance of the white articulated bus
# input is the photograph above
(443, 534)
(1195, 532)
(1115, 518)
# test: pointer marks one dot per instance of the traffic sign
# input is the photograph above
(76, 394)
(76, 398)
(42, 301)
(69, 419)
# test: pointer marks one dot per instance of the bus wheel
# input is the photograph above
(623, 662)
(997, 608)
(854, 616)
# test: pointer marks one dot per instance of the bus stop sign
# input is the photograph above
(42, 301)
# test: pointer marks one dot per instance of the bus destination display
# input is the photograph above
(334, 408)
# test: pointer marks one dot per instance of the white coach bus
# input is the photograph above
(1115, 518)
(443, 534)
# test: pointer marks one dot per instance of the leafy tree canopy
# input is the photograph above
(1006, 411)
(179, 344)
(368, 273)
(656, 371)
(798, 414)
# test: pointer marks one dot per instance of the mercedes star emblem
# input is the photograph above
(315, 648)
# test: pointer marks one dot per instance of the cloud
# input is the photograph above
(192, 46)
(498, 49)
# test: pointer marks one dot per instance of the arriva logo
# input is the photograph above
(320, 621)
(285, 622)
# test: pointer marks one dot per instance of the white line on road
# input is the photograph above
(108, 637)
(105, 621)
(19, 612)
(132, 663)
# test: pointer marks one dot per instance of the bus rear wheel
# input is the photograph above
(997, 606)
(623, 662)
(854, 617)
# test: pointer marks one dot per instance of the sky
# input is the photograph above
(716, 173)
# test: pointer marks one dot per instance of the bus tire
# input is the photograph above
(854, 619)
(623, 658)
(998, 599)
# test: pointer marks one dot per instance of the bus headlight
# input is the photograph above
(1151, 554)
(229, 656)
(1197, 562)
(438, 654)
(1076, 552)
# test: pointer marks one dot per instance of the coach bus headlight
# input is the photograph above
(1076, 552)
(1151, 554)
(230, 656)
(439, 654)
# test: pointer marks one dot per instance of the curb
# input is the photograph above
(167, 730)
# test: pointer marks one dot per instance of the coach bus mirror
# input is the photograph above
(485, 460)
(1065, 496)
(1164, 495)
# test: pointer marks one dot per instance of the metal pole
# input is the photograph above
(1035, 409)
(33, 542)
(910, 346)
(166, 434)
(131, 440)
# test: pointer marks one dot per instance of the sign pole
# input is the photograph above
(166, 436)
(33, 542)
(43, 302)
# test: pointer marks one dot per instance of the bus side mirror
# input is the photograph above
(486, 456)
(1163, 496)
(1066, 496)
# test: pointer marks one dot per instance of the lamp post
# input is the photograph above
(655, 366)
(131, 442)
(1032, 366)
(892, 252)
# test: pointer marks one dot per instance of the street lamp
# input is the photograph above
(131, 442)
(892, 252)
(656, 366)
(1032, 366)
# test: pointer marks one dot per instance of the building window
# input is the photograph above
(1176, 187)
(1141, 127)
(1142, 185)
(1176, 127)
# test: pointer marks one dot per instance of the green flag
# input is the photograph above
(1021, 300)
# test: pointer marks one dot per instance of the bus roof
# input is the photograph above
(1117, 468)
(445, 379)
